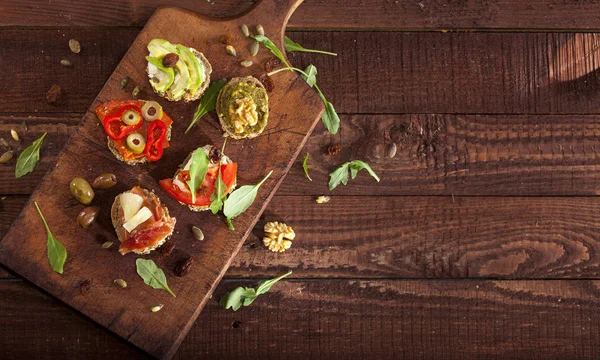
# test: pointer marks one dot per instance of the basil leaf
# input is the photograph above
(290, 45)
(29, 158)
(305, 166)
(241, 199)
(57, 254)
(311, 75)
(266, 286)
(340, 175)
(246, 296)
(207, 102)
(271, 46)
(218, 196)
(198, 170)
(152, 275)
(330, 118)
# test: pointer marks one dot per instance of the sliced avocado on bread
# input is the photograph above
(177, 72)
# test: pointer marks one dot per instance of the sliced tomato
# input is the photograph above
(228, 174)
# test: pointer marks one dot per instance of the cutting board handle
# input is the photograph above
(273, 15)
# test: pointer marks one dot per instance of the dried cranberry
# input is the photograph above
(53, 94)
(183, 267)
(267, 82)
(170, 60)
(272, 64)
(333, 149)
(226, 39)
(166, 249)
(215, 155)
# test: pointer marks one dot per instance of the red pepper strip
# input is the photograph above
(154, 148)
(117, 130)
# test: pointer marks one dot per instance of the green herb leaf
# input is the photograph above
(29, 158)
(207, 102)
(340, 175)
(311, 75)
(330, 118)
(246, 296)
(305, 166)
(271, 46)
(57, 254)
(241, 199)
(152, 275)
(218, 197)
(290, 45)
(198, 170)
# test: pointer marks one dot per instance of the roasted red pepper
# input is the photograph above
(154, 143)
(117, 129)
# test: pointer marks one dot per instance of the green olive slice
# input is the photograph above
(152, 111)
(136, 143)
(131, 117)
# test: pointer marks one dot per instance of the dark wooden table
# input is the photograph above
(480, 242)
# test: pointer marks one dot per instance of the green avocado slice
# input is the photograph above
(194, 67)
(183, 82)
(160, 47)
(167, 80)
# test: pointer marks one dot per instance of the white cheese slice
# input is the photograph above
(141, 216)
(131, 204)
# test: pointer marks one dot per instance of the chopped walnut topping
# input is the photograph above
(278, 236)
(244, 114)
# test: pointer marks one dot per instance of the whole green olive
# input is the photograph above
(82, 191)
(87, 216)
(105, 181)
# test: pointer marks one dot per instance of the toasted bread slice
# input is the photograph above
(118, 224)
(141, 160)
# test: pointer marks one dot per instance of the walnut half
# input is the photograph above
(278, 236)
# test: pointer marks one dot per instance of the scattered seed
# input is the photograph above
(74, 46)
(198, 234)
(323, 199)
(125, 81)
(245, 30)
(246, 63)
(6, 157)
(231, 50)
(157, 308)
(254, 48)
(121, 283)
(53, 94)
(3, 198)
(65, 62)
(14, 135)
(260, 30)
(135, 92)
(107, 244)
(24, 125)
(392, 151)
(3, 142)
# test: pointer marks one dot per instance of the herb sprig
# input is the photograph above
(340, 175)
(207, 102)
(246, 296)
(305, 166)
(290, 45)
(57, 254)
(152, 275)
(29, 158)
(240, 200)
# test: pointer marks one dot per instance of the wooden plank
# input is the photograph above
(317, 14)
(516, 155)
(421, 237)
(375, 72)
(294, 110)
(341, 319)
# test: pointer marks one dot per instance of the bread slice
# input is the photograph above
(187, 97)
(120, 230)
(222, 107)
(207, 148)
(141, 160)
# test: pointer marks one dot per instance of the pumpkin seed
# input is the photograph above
(254, 48)
(392, 151)
(323, 199)
(65, 62)
(6, 157)
(14, 134)
(3, 142)
(245, 30)
(157, 308)
(121, 283)
(124, 82)
(198, 234)
(135, 92)
(231, 50)
(74, 46)
(246, 63)
(107, 244)
(260, 30)
(24, 125)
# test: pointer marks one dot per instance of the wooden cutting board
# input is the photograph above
(294, 110)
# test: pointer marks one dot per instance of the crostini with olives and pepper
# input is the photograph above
(138, 131)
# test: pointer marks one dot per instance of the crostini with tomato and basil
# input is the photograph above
(197, 178)
(138, 131)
